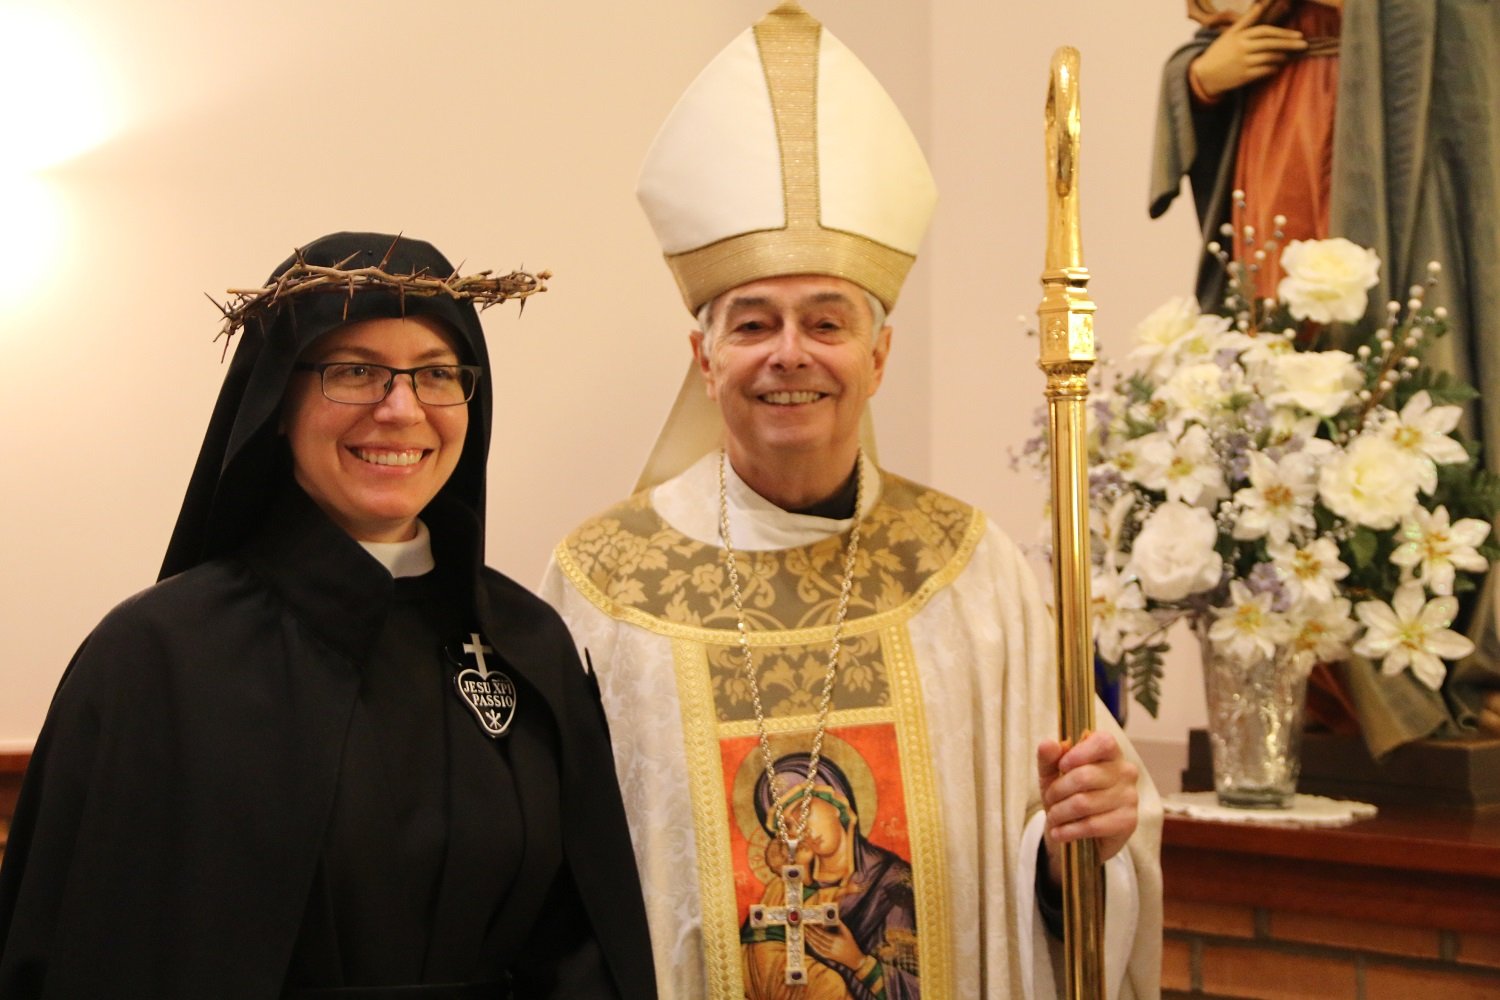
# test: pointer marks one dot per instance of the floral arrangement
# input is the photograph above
(1289, 500)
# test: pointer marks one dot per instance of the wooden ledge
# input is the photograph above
(12, 767)
(1419, 867)
(1448, 841)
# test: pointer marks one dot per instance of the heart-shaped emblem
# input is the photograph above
(490, 695)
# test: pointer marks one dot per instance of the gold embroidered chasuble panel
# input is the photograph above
(888, 873)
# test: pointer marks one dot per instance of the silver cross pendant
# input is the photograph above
(792, 918)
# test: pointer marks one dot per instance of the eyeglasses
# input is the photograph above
(360, 382)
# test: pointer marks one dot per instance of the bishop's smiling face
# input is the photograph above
(372, 468)
(792, 363)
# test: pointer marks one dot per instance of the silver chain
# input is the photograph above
(826, 701)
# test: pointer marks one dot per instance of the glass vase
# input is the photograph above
(1255, 715)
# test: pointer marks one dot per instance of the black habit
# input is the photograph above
(256, 781)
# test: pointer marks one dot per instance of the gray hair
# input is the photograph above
(878, 318)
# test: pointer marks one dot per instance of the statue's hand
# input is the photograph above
(1243, 53)
(1489, 713)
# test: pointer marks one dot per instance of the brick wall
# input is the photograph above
(1222, 950)
(1405, 905)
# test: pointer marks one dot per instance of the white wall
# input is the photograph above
(507, 135)
(990, 74)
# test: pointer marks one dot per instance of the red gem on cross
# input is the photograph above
(794, 917)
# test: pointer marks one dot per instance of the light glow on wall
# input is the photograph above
(58, 106)
(34, 212)
(58, 103)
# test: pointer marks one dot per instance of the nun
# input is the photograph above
(330, 753)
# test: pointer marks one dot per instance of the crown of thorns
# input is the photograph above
(484, 289)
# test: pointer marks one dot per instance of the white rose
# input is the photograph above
(1372, 482)
(1173, 556)
(1159, 333)
(1321, 382)
(1327, 280)
(1195, 391)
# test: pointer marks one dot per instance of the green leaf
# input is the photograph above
(1468, 491)
(1362, 547)
(1144, 666)
(1446, 390)
(1140, 388)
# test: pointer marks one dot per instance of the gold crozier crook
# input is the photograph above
(1066, 318)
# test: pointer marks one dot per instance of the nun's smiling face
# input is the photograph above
(373, 467)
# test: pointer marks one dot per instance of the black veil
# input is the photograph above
(244, 461)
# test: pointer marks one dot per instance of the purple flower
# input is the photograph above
(1237, 446)
(1104, 478)
(1264, 579)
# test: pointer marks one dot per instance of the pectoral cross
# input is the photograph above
(792, 918)
(478, 648)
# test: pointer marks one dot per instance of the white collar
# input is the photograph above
(690, 503)
(409, 558)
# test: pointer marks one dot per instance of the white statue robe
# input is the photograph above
(946, 687)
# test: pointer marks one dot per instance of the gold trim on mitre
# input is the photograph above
(851, 204)
(789, 39)
(804, 247)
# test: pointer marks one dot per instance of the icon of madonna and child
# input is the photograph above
(866, 948)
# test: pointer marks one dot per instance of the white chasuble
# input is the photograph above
(924, 816)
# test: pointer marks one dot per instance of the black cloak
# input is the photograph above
(169, 831)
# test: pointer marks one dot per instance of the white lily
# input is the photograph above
(1412, 632)
(1209, 336)
(1264, 349)
(1437, 549)
(1120, 615)
(1310, 572)
(1279, 498)
(1288, 423)
(1422, 431)
(1320, 632)
(1110, 529)
(1193, 475)
(1247, 630)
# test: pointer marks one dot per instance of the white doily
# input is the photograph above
(1306, 810)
